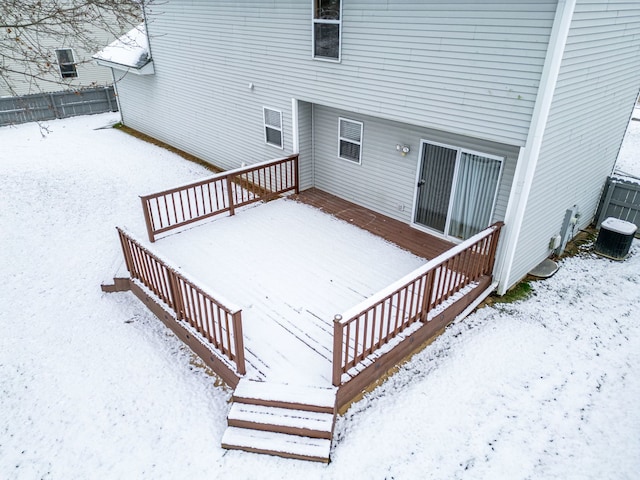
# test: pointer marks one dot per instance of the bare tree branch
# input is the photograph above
(31, 30)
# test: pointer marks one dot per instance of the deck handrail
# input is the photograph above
(220, 193)
(217, 322)
(375, 322)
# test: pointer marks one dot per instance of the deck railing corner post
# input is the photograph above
(174, 285)
(239, 342)
(124, 243)
(147, 218)
(338, 328)
(428, 293)
(493, 247)
(296, 169)
(232, 209)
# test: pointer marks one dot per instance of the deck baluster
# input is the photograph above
(430, 286)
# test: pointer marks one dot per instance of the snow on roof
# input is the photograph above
(130, 50)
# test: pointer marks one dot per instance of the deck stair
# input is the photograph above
(284, 420)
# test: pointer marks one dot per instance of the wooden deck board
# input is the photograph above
(282, 314)
(401, 234)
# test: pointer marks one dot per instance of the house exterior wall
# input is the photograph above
(385, 181)
(469, 68)
(597, 87)
(89, 74)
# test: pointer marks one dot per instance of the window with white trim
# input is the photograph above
(273, 127)
(66, 63)
(327, 26)
(350, 140)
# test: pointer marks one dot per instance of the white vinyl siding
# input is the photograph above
(350, 140)
(594, 97)
(272, 127)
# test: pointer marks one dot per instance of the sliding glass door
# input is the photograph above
(456, 190)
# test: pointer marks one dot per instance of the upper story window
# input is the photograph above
(327, 24)
(273, 127)
(350, 140)
(66, 63)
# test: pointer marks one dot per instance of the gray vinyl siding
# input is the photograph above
(597, 87)
(385, 181)
(467, 67)
(211, 123)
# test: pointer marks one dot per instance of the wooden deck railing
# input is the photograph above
(218, 325)
(374, 323)
(220, 193)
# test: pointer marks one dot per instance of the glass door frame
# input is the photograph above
(416, 192)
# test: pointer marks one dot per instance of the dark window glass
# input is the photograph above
(327, 9)
(66, 63)
(327, 40)
(350, 151)
(274, 137)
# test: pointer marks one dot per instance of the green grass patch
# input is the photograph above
(521, 291)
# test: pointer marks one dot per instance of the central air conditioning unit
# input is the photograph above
(615, 238)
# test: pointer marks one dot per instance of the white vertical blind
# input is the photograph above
(474, 195)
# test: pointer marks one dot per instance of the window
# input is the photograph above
(66, 63)
(350, 140)
(273, 127)
(326, 29)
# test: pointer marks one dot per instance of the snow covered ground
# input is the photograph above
(93, 386)
(628, 161)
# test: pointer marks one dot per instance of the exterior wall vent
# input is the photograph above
(615, 238)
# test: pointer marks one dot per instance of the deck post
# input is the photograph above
(232, 209)
(426, 299)
(124, 242)
(338, 329)
(238, 340)
(494, 245)
(147, 219)
(296, 174)
(174, 285)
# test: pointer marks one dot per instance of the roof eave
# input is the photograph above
(146, 69)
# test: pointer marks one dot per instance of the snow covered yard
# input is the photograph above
(93, 386)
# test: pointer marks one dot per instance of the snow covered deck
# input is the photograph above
(290, 268)
(286, 296)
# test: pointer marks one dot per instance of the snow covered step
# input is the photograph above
(312, 399)
(282, 420)
(280, 444)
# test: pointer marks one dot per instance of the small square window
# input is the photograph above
(350, 140)
(273, 127)
(66, 63)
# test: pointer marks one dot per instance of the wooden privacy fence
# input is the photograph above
(218, 325)
(373, 324)
(224, 192)
(64, 104)
(620, 199)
